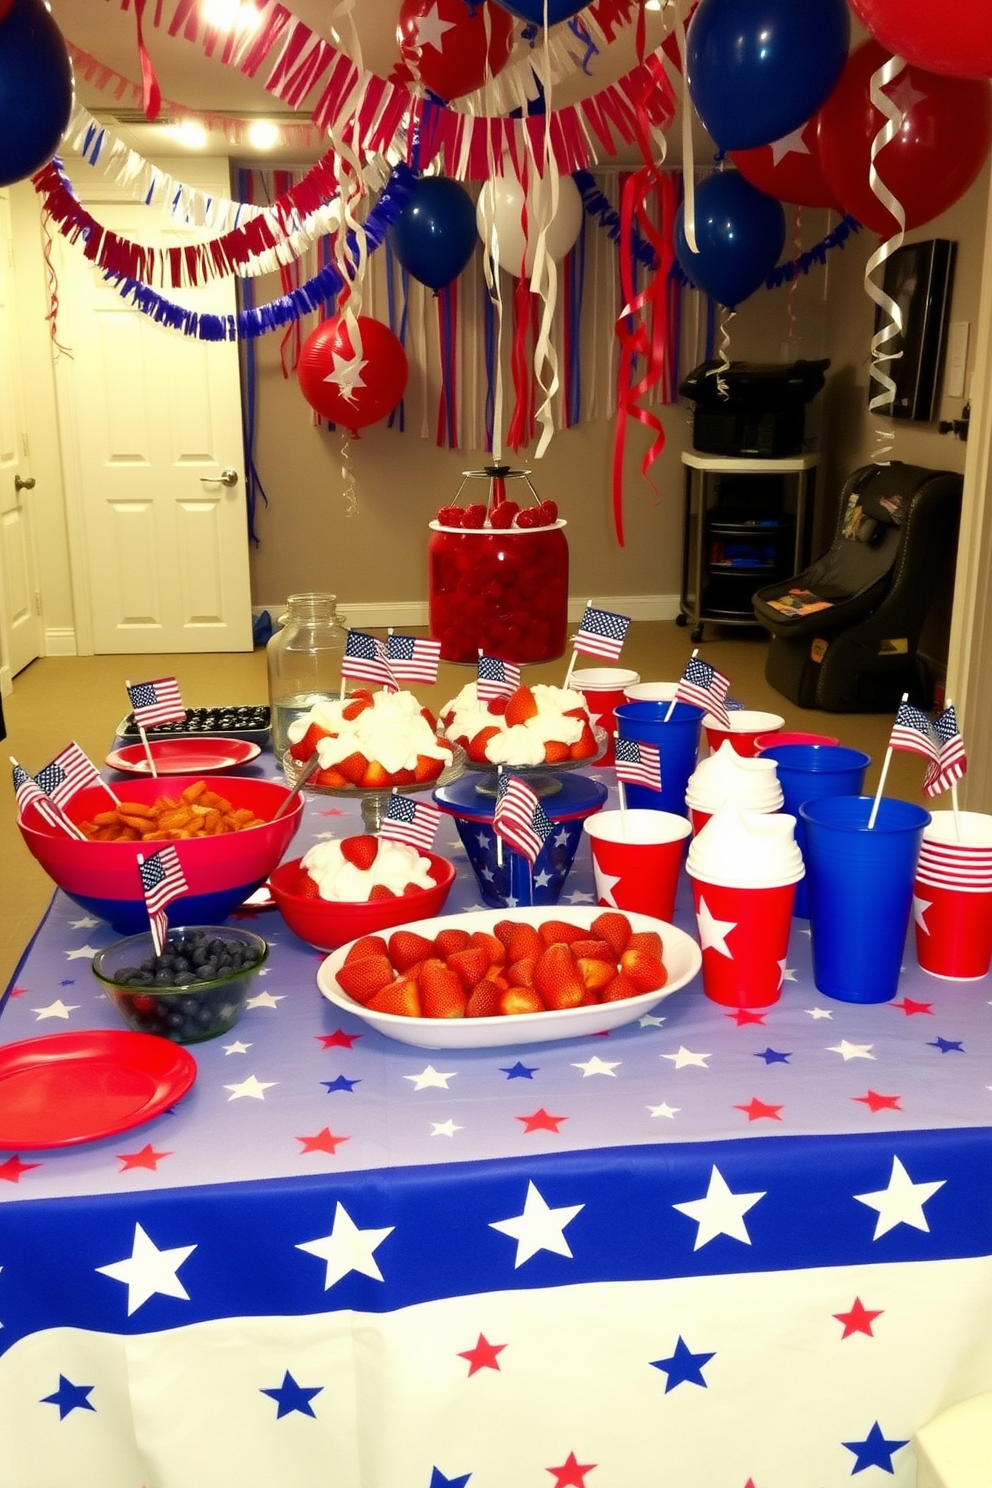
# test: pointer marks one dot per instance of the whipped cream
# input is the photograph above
(392, 732)
(521, 743)
(746, 850)
(726, 776)
(396, 865)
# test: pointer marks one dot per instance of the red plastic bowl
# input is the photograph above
(327, 924)
(103, 877)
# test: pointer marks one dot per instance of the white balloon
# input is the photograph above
(499, 211)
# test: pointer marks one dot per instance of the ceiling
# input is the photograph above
(105, 31)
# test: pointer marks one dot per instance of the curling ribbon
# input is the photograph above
(885, 398)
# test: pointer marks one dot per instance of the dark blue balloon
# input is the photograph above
(740, 234)
(757, 69)
(35, 89)
(533, 10)
(435, 234)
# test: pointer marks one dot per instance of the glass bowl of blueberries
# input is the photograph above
(195, 990)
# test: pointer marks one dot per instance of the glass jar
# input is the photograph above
(304, 661)
(502, 592)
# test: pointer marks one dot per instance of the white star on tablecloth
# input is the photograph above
(56, 1009)
(781, 970)
(920, 907)
(430, 1077)
(819, 1012)
(236, 1048)
(788, 972)
(148, 1271)
(578, 896)
(252, 1087)
(650, 1020)
(347, 1248)
(605, 884)
(712, 932)
(597, 1066)
(431, 29)
(789, 144)
(538, 1228)
(265, 999)
(86, 952)
(901, 1202)
(86, 923)
(686, 1056)
(720, 1212)
(347, 373)
(851, 1051)
(664, 1110)
(445, 1128)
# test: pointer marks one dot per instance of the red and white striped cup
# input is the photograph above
(952, 896)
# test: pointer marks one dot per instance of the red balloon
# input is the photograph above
(931, 162)
(948, 36)
(789, 168)
(444, 43)
(347, 392)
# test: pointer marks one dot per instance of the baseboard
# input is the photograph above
(60, 641)
(413, 613)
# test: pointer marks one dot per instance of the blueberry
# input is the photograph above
(184, 979)
(126, 974)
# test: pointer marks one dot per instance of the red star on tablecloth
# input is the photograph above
(18, 991)
(909, 1007)
(146, 1158)
(876, 1102)
(483, 1356)
(322, 1141)
(743, 1016)
(756, 1110)
(541, 1121)
(12, 1168)
(338, 1039)
(858, 1320)
(332, 811)
(571, 1474)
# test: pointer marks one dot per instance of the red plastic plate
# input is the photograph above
(184, 756)
(68, 1088)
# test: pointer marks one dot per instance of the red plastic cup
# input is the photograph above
(636, 857)
(743, 730)
(952, 896)
(698, 819)
(603, 690)
(787, 736)
(744, 934)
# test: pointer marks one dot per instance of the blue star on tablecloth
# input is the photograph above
(69, 1397)
(341, 1083)
(947, 1046)
(874, 1451)
(683, 1366)
(773, 1056)
(289, 1397)
(519, 1071)
(438, 1480)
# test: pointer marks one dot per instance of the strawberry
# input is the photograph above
(585, 745)
(519, 938)
(484, 1000)
(305, 887)
(353, 767)
(644, 970)
(646, 940)
(527, 518)
(516, 1000)
(450, 516)
(356, 706)
(582, 712)
(429, 719)
(376, 777)
(447, 942)
(477, 747)
(404, 777)
(558, 979)
(380, 891)
(502, 517)
(305, 747)
(406, 947)
(614, 928)
(441, 993)
(494, 949)
(595, 973)
(361, 852)
(331, 778)
(366, 945)
(497, 705)
(555, 752)
(598, 949)
(428, 768)
(400, 997)
(521, 973)
(548, 511)
(561, 932)
(363, 979)
(521, 706)
(470, 965)
(474, 516)
(620, 988)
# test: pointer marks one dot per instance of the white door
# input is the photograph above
(20, 599)
(153, 460)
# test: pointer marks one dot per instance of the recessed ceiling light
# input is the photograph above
(191, 133)
(263, 134)
(654, 4)
(230, 15)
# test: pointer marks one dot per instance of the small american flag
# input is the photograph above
(365, 657)
(162, 880)
(410, 821)
(412, 658)
(951, 762)
(638, 764)
(601, 633)
(69, 772)
(914, 733)
(519, 818)
(156, 702)
(496, 679)
(28, 791)
(704, 687)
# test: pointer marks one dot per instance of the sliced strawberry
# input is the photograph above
(585, 745)
(470, 965)
(519, 938)
(355, 707)
(497, 705)
(380, 891)
(595, 973)
(427, 768)
(560, 932)
(494, 949)
(363, 979)
(447, 942)
(376, 777)
(306, 887)
(362, 692)
(404, 777)
(361, 852)
(483, 1000)
(367, 945)
(645, 971)
(477, 746)
(353, 767)
(646, 940)
(620, 988)
(305, 747)
(441, 993)
(582, 712)
(614, 928)
(400, 997)
(429, 719)
(332, 779)
(558, 979)
(516, 1000)
(555, 752)
(407, 947)
(521, 705)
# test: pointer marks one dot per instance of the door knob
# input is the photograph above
(226, 478)
(24, 485)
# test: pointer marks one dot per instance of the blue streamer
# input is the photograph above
(581, 34)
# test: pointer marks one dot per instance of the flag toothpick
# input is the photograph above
(154, 703)
(601, 633)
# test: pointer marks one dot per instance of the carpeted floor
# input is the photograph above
(83, 698)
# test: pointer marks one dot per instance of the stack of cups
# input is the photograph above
(809, 770)
(743, 728)
(636, 857)
(728, 778)
(603, 690)
(952, 896)
(673, 729)
(744, 867)
(650, 692)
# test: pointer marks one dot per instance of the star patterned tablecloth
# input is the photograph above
(712, 1249)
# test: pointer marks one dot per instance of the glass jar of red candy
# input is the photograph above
(498, 577)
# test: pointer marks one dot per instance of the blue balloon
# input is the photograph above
(740, 234)
(757, 69)
(533, 10)
(435, 235)
(35, 89)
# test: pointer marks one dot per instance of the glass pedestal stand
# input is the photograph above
(376, 800)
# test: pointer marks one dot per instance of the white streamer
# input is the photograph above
(688, 160)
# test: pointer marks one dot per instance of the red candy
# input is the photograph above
(505, 594)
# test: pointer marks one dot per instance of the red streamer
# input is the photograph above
(151, 93)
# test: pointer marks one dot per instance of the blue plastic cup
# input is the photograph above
(677, 741)
(806, 771)
(860, 892)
